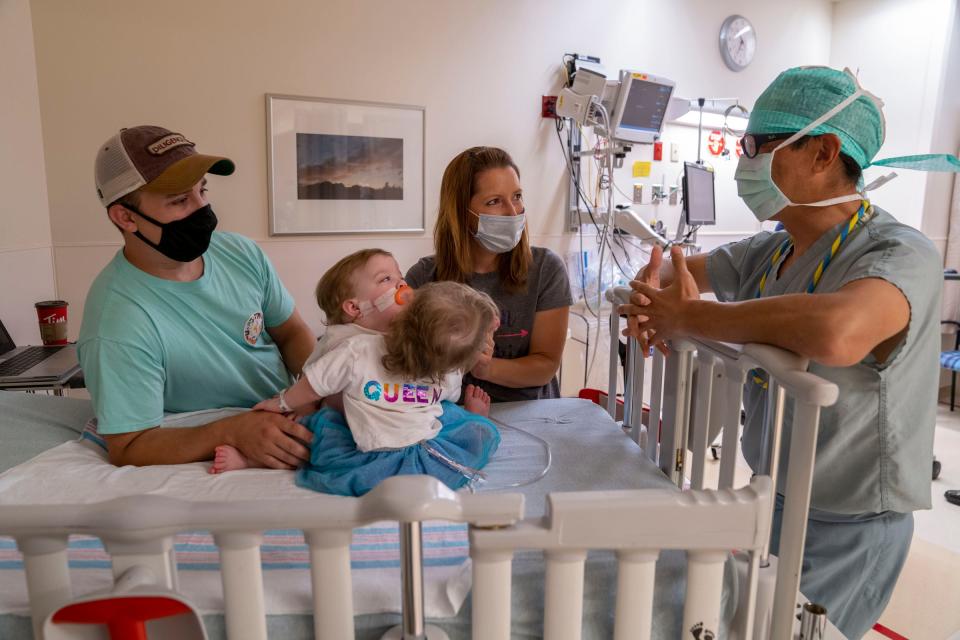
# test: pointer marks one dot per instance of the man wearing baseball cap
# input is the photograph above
(845, 285)
(184, 318)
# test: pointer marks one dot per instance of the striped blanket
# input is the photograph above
(376, 547)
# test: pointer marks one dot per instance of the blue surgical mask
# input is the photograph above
(755, 183)
(499, 234)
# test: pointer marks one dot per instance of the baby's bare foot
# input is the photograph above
(476, 400)
(227, 458)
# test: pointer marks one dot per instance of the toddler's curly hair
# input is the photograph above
(442, 330)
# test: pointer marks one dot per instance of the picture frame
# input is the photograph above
(344, 167)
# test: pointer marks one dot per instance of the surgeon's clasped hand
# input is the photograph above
(656, 315)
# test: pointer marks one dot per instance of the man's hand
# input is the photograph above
(270, 439)
(656, 315)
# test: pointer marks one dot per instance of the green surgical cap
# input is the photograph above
(801, 95)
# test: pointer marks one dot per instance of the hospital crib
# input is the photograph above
(637, 524)
(686, 418)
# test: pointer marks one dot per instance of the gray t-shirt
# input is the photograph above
(875, 445)
(547, 288)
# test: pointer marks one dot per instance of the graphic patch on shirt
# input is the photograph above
(405, 393)
(252, 328)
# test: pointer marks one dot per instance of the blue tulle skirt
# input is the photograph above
(336, 466)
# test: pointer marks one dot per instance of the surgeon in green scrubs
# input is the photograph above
(851, 288)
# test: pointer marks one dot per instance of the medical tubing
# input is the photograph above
(546, 445)
(602, 234)
(586, 203)
(593, 221)
(464, 470)
(605, 234)
(573, 180)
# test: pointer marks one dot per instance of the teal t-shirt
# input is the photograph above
(875, 445)
(150, 346)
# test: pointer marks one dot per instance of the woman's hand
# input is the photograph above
(481, 369)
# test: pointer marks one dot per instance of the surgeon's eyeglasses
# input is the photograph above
(750, 144)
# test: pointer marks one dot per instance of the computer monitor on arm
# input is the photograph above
(699, 204)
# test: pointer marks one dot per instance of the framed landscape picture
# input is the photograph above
(344, 167)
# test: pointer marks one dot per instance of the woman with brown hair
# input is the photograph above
(481, 240)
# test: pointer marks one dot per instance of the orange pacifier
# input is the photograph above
(403, 295)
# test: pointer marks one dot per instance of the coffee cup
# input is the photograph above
(52, 315)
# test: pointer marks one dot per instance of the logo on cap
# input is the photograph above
(166, 143)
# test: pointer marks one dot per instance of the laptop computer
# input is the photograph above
(35, 365)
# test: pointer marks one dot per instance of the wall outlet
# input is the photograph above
(548, 106)
(674, 152)
(638, 194)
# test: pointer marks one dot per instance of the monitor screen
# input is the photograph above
(698, 196)
(641, 106)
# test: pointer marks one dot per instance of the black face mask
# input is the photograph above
(182, 240)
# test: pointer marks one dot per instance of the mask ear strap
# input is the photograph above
(136, 210)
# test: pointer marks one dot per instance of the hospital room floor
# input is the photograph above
(924, 604)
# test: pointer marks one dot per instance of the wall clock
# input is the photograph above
(738, 42)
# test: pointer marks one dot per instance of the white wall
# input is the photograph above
(479, 69)
(946, 136)
(900, 48)
(26, 267)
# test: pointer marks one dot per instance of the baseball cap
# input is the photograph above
(157, 159)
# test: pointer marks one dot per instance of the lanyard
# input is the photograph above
(787, 246)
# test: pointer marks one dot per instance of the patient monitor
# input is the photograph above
(636, 104)
(640, 108)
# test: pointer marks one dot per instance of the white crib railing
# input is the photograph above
(637, 525)
(138, 532)
(721, 371)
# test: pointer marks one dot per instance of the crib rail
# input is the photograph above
(685, 417)
(138, 532)
(637, 525)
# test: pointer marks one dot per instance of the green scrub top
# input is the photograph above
(875, 445)
(150, 346)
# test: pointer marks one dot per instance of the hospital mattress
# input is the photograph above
(587, 451)
(32, 423)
